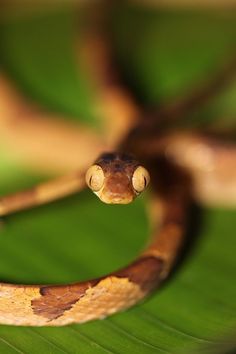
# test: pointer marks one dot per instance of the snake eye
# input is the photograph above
(95, 178)
(140, 179)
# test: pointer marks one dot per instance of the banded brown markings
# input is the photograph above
(169, 213)
(144, 272)
(55, 300)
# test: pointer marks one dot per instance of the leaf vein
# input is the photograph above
(12, 346)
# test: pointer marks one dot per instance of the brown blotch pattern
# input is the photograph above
(55, 300)
(144, 272)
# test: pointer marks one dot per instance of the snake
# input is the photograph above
(179, 167)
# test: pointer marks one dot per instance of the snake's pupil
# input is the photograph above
(145, 182)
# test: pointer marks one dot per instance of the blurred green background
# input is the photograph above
(162, 53)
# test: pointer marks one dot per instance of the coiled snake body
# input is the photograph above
(182, 167)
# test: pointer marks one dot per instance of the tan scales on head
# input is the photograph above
(117, 178)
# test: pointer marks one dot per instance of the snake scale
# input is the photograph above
(181, 166)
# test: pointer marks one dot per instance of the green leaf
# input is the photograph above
(77, 238)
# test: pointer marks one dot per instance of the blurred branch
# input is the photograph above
(32, 5)
(188, 4)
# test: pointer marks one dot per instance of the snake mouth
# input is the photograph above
(119, 201)
(111, 198)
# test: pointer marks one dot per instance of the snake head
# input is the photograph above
(117, 178)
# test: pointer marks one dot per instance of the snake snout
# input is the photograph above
(117, 190)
